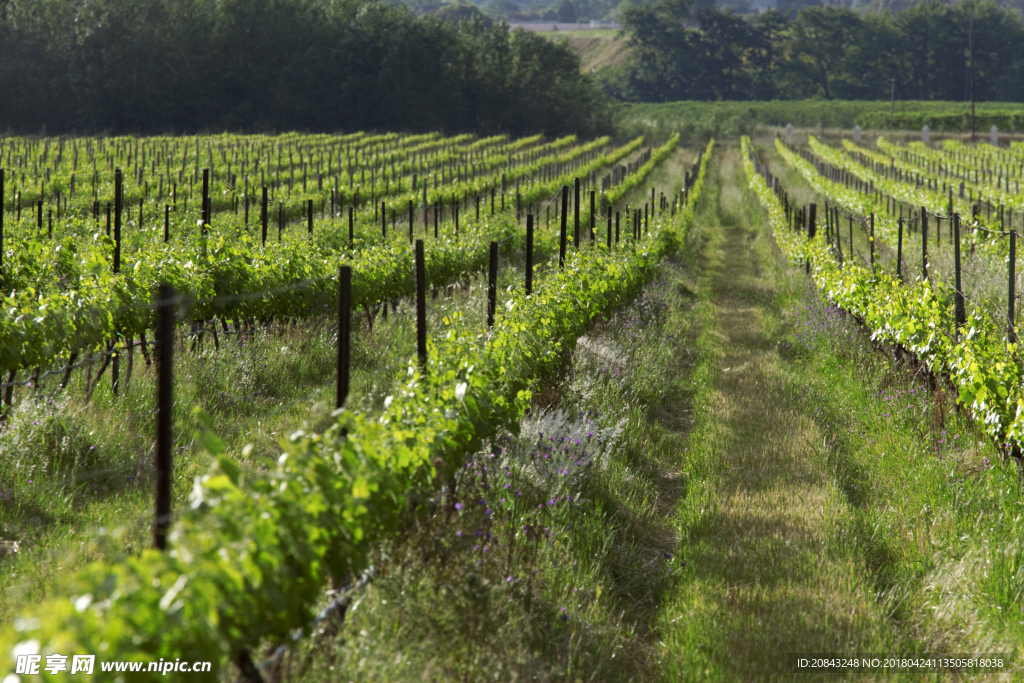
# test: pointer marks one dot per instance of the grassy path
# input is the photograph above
(768, 528)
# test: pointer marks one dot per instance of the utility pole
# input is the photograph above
(892, 101)
(970, 43)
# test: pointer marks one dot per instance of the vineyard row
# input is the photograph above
(247, 562)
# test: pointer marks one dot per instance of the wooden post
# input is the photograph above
(117, 220)
(167, 222)
(959, 310)
(852, 253)
(344, 333)
(871, 241)
(899, 249)
(263, 215)
(562, 234)
(1011, 309)
(421, 307)
(309, 216)
(492, 285)
(165, 314)
(618, 216)
(203, 215)
(529, 254)
(576, 213)
(812, 228)
(411, 212)
(383, 221)
(924, 244)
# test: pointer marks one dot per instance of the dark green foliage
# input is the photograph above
(566, 12)
(820, 52)
(458, 11)
(185, 65)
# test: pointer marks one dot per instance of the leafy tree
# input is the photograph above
(732, 51)
(928, 63)
(566, 12)
(768, 59)
(684, 52)
(819, 38)
(183, 65)
(663, 45)
(998, 48)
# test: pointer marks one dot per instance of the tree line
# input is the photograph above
(920, 53)
(173, 66)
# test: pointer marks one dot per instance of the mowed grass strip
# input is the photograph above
(768, 530)
(939, 511)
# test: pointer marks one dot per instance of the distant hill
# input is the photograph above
(598, 49)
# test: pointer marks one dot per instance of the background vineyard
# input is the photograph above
(918, 244)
